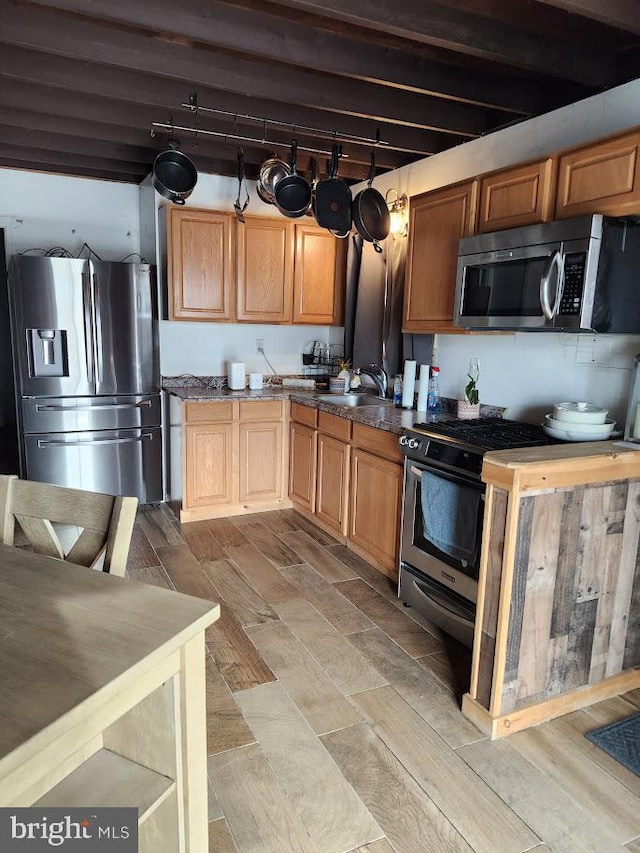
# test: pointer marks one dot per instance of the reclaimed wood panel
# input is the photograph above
(493, 580)
(575, 608)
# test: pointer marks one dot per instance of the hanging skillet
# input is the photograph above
(333, 199)
(173, 174)
(271, 171)
(370, 212)
(293, 193)
(313, 175)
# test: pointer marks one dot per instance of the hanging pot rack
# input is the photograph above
(297, 129)
(235, 137)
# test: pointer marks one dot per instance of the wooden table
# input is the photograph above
(102, 697)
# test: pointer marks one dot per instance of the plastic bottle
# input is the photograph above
(433, 395)
(397, 390)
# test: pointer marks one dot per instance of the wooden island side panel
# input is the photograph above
(575, 600)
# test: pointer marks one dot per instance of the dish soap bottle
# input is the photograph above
(433, 395)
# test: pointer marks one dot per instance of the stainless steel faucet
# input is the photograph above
(378, 375)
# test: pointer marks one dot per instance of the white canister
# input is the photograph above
(236, 377)
(255, 381)
(423, 388)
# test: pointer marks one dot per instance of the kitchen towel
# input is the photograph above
(450, 516)
(423, 387)
(408, 384)
(236, 376)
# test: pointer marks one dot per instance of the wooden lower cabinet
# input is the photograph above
(261, 473)
(303, 445)
(208, 464)
(349, 491)
(376, 494)
(332, 491)
(233, 458)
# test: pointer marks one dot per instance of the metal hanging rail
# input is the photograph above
(300, 129)
(235, 137)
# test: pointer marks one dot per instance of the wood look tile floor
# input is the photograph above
(333, 718)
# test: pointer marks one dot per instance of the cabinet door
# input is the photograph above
(265, 270)
(319, 277)
(601, 178)
(261, 461)
(376, 493)
(199, 264)
(437, 221)
(208, 460)
(302, 465)
(333, 482)
(523, 195)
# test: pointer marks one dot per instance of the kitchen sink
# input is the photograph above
(353, 400)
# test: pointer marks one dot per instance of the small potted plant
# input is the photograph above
(341, 383)
(469, 408)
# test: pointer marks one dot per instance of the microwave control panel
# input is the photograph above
(574, 266)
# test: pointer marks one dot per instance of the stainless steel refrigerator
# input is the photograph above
(87, 375)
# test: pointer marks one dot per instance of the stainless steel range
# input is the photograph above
(443, 515)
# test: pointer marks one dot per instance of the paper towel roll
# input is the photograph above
(236, 375)
(423, 388)
(408, 384)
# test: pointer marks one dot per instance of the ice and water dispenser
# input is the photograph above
(47, 350)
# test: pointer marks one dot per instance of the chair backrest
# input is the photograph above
(106, 521)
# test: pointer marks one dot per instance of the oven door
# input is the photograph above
(442, 526)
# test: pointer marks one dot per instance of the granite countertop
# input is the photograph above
(383, 416)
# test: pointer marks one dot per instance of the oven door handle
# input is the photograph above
(453, 478)
(451, 614)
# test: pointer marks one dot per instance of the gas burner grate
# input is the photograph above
(488, 433)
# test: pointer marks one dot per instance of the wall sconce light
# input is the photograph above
(398, 208)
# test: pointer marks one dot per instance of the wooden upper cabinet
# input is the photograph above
(437, 221)
(600, 178)
(265, 251)
(319, 280)
(200, 264)
(523, 195)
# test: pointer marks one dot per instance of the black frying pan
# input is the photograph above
(293, 193)
(173, 175)
(370, 212)
(333, 199)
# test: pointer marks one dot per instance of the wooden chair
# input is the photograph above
(106, 521)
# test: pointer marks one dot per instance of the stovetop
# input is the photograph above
(485, 433)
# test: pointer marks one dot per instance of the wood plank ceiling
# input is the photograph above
(83, 80)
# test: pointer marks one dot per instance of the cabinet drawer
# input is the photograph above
(261, 410)
(195, 413)
(335, 426)
(304, 415)
(377, 441)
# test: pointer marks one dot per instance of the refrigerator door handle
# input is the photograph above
(143, 404)
(96, 326)
(89, 343)
(146, 436)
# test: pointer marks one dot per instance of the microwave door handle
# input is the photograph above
(555, 261)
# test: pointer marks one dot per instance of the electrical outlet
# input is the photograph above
(259, 346)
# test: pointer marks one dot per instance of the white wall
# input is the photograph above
(529, 372)
(40, 210)
(205, 348)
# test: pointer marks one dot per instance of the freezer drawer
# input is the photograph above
(118, 462)
(63, 414)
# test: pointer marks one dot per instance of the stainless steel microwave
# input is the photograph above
(572, 275)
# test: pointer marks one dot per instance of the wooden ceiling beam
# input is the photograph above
(256, 33)
(36, 158)
(43, 30)
(622, 14)
(44, 108)
(101, 84)
(444, 25)
(7, 162)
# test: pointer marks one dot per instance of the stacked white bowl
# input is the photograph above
(578, 422)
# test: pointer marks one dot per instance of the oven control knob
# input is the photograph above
(404, 439)
(412, 443)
